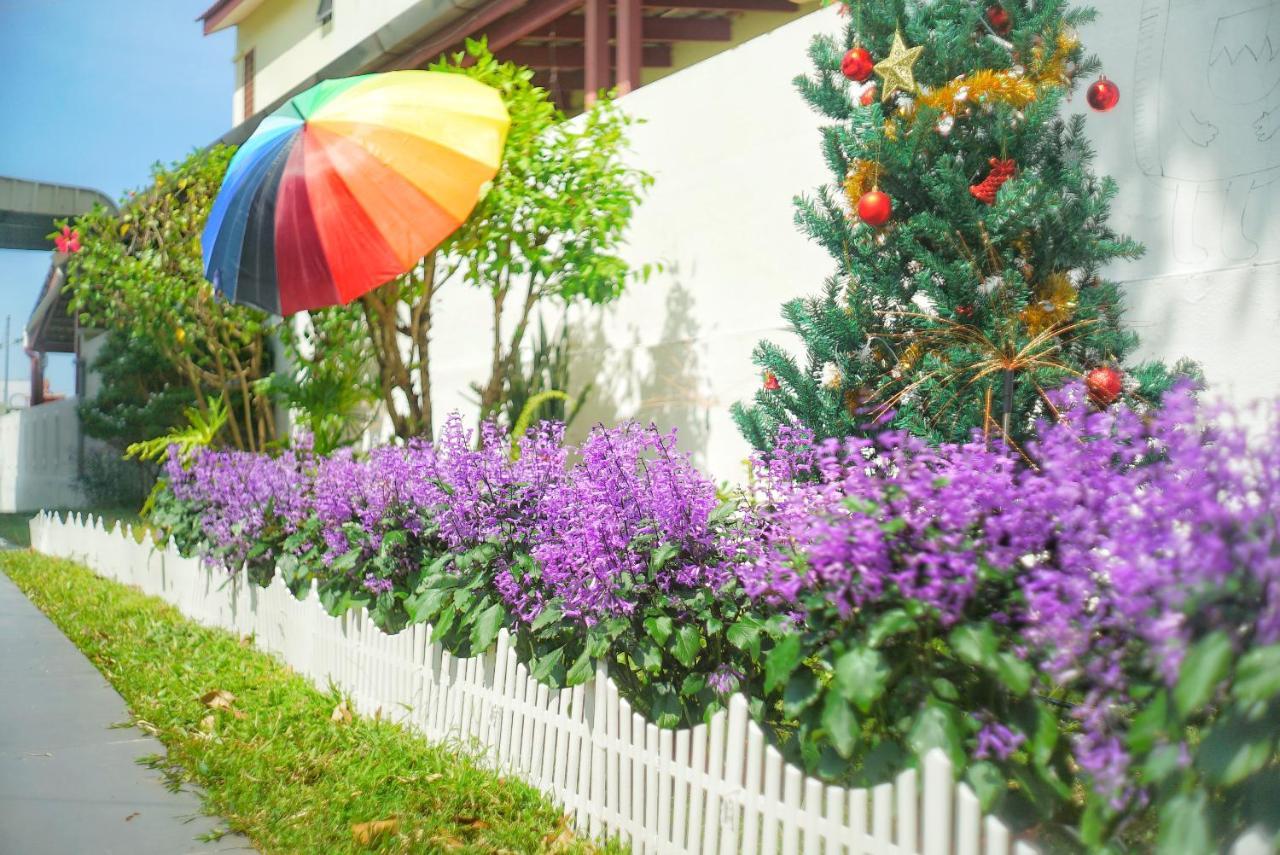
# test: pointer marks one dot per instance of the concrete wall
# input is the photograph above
(730, 143)
(39, 458)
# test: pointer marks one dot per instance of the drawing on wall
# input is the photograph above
(1207, 114)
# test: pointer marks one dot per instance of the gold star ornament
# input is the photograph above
(895, 71)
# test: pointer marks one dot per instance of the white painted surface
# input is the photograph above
(718, 787)
(730, 143)
(39, 458)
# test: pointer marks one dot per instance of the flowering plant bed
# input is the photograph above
(1087, 625)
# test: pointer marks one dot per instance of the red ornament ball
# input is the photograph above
(875, 208)
(964, 311)
(771, 381)
(998, 18)
(1103, 95)
(857, 64)
(868, 96)
(1104, 384)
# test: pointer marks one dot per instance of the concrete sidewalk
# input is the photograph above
(69, 783)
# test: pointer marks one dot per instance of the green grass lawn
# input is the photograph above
(274, 762)
(15, 527)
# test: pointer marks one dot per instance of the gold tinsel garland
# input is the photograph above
(1006, 87)
(1055, 304)
(859, 178)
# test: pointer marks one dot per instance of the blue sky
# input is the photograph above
(92, 92)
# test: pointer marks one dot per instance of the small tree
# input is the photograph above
(547, 230)
(967, 227)
(140, 273)
(551, 226)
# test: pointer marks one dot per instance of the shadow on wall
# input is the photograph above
(661, 382)
(39, 458)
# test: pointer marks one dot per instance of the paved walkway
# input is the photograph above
(69, 783)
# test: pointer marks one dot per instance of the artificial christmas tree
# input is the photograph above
(967, 228)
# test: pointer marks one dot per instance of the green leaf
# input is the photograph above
(582, 670)
(1161, 763)
(1045, 738)
(974, 643)
(861, 676)
(744, 633)
(660, 556)
(651, 658)
(988, 783)
(1012, 672)
(800, 693)
(937, 726)
(1234, 749)
(424, 605)
(1150, 725)
(659, 628)
(546, 666)
(664, 709)
(889, 624)
(688, 642)
(841, 724)
(444, 622)
(1184, 826)
(781, 661)
(1204, 668)
(550, 614)
(692, 684)
(1258, 674)
(485, 629)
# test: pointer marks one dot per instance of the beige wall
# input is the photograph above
(289, 44)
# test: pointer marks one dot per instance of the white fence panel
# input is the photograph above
(717, 787)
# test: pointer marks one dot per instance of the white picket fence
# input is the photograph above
(718, 787)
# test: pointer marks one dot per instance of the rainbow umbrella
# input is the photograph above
(349, 185)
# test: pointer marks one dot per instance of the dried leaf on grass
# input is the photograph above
(365, 833)
(562, 839)
(447, 843)
(221, 699)
(341, 713)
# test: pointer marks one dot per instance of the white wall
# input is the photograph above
(730, 143)
(39, 457)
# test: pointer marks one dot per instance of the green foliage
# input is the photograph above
(551, 225)
(201, 430)
(141, 396)
(1210, 748)
(139, 273)
(333, 382)
(924, 319)
(111, 481)
(539, 388)
(661, 655)
(278, 765)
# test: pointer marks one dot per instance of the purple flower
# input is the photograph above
(996, 740)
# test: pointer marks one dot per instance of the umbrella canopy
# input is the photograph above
(349, 185)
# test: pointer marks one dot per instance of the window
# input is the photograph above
(325, 13)
(248, 83)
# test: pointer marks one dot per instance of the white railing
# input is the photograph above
(717, 787)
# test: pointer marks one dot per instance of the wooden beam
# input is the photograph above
(453, 35)
(533, 16)
(574, 56)
(629, 37)
(596, 43)
(567, 81)
(724, 5)
(655, 29)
